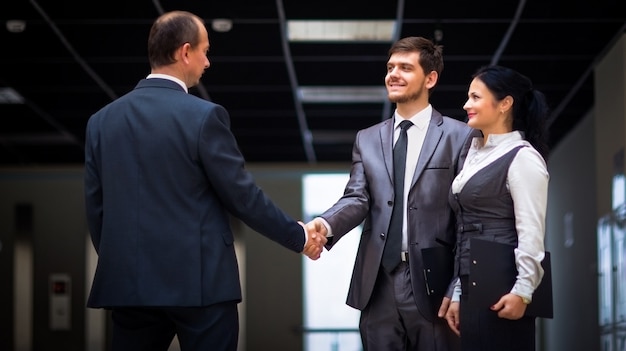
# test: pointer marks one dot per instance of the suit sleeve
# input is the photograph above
(224, 166)
(93, 186)
(352, 208)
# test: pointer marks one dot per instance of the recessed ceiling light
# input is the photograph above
(222, 25)
(10, 96)
(343, 94)
(16, 26)
(341, 31)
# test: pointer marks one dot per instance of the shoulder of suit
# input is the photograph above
(376, 127)
(450, 122)
(446, 121)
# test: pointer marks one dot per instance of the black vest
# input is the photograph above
(484, 208)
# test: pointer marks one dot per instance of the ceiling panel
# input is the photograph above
(74, 57)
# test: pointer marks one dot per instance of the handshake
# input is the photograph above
(315, 238)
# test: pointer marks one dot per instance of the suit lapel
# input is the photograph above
(431, 140)
(386, 140)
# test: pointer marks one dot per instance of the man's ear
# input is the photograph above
(183, 52)
(431, 79)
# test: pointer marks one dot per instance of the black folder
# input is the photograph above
(493, 273)
(438, 268)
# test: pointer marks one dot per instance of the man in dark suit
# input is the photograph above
(397, 311)
(162, 174)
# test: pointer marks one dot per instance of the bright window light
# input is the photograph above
(341, 31)
(329, 323)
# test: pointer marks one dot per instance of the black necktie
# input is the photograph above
(391, 254)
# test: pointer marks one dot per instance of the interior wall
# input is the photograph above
(610, 119)
(273, 287)
(7, 251)
(55, 246)
(610, 132)
(273, 291)
(580, 193)
(571, 239)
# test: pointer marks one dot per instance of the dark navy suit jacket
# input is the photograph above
(162, 173)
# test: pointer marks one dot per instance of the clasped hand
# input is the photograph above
(316, 239)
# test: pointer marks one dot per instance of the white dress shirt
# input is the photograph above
(415, 140)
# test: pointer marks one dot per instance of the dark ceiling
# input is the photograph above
(73, 57)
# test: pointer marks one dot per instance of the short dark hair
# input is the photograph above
(169, 32)
(431, 54)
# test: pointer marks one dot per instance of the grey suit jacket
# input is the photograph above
(369, 196)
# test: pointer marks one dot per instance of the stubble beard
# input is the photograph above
(406, 98)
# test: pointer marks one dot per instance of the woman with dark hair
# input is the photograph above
(501, 196)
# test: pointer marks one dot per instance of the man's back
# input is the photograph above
(160, 207)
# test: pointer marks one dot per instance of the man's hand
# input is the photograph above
(445, 304)
(315, 241)
(317, 226)
(451, 313)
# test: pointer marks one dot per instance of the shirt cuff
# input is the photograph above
(329, 230)
(456, 293)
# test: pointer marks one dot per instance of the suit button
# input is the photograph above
(390, 203)
(382, 235)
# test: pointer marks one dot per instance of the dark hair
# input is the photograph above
(530, 109)
(168, 33)
(431, 54)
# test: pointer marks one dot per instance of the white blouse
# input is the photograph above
(527, 181)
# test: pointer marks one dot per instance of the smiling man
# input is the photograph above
(402, 197)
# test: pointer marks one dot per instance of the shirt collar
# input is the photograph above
(168, 77)
(419, 119)
(498, 139)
